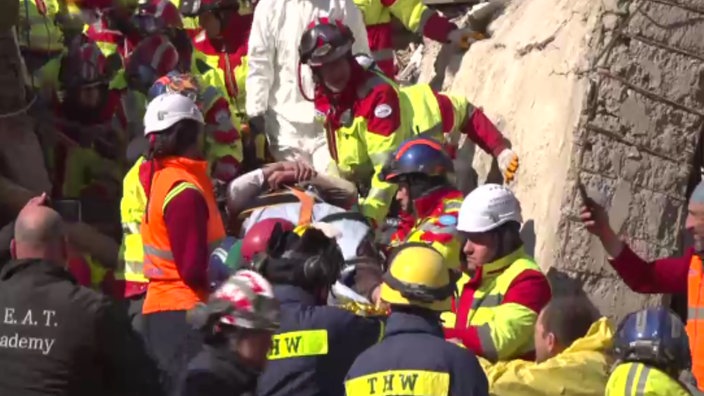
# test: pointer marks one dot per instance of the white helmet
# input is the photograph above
(488, 207)
(167, 109)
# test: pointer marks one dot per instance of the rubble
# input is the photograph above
(609, 91)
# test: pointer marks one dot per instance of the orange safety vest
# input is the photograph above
(166, 290)
(695, 318)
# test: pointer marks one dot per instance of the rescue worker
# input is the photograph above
(237, 325)
(668, 275)
(497, 307)
(652, 349)
(256, 240)
(316, 344)
(429, 202)
(417, 18)
(181, 226)
(277, 83)
(413, 357)
(222, 44)
(153, 69)
(83, 162)
(47, 318)
(367, 116)
(38, 36)
(572, 346)
(123, 26)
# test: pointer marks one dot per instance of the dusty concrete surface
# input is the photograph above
(576, 97)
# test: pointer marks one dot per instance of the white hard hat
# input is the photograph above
(167, 109)
(488, 207)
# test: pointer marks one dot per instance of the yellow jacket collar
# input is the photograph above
(599, 338)
(496, 267)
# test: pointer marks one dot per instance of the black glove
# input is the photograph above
(257, 125)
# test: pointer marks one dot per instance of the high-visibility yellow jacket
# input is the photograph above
(132, 208)
(497, 309)
(436, 224)
(581, 369)
(371, 121)
(36, 28)
(638, 379)
(413, 14)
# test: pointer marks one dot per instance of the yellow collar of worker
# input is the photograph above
(498, 266)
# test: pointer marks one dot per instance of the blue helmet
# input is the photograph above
(418, 155)
(655, 336)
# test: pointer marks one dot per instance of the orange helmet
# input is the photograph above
(84, 65)
(153, 57)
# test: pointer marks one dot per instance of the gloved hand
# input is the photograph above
(464, 37)
(508, 164)
(257, 126)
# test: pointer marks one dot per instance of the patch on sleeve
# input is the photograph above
(382, 111)
(222, 116)
(447, 220)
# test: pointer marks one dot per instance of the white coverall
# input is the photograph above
(272, 80)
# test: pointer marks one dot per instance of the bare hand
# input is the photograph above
(290, 175)
(595, 218)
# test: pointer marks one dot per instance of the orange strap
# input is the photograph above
(307, 202)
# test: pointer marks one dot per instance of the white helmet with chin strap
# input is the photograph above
(167, 109)
(488, 207)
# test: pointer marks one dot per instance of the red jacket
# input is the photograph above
(431, 205)
(666, 275)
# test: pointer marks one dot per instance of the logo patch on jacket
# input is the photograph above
(383, 110)
(447, 220)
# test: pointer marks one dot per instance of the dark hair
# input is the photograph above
(569, 318)
(509, 238)
(175, 140)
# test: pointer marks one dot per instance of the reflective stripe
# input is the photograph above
(400, 382)
(130, 228)
(436, 228)
(134, 267)
(383, 54)
(298, 344)
(208, 97)
(177, 190)
(487, 343)
(427, 14)
(382, 330)
(452, 205)
(641, 382)
(163, 254)
(695, 313)
(490, 301)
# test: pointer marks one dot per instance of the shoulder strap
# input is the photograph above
(306, 215)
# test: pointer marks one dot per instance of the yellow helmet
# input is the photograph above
(418, 276)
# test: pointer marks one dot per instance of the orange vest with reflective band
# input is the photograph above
(167, 291)
(695, 318)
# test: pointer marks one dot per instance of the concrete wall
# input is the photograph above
(622, 111)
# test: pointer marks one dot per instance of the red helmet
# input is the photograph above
(152, 58)
(84, 65)
(325, 41)
(257, 238)
(156, 16)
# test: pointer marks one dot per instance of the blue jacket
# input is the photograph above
(414, 358)
(217, 372)
(314, 347)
